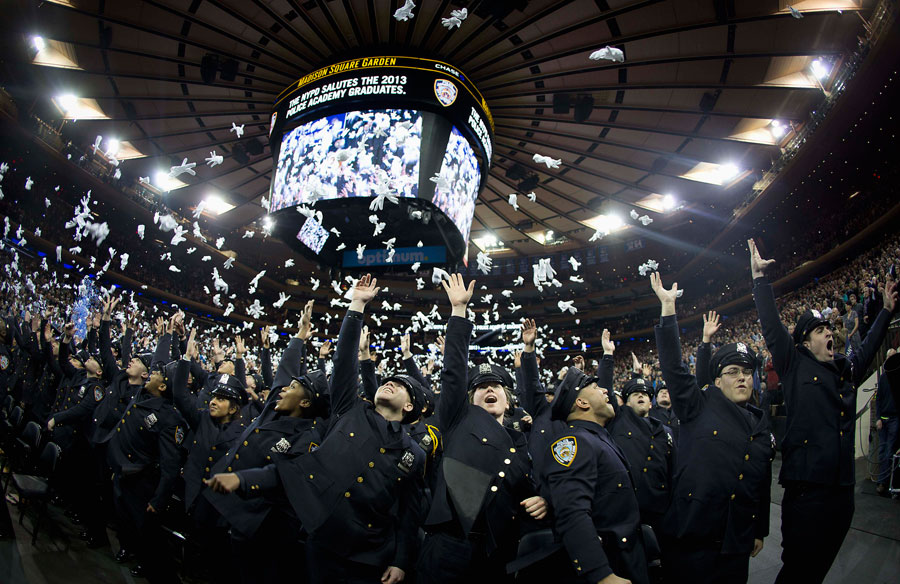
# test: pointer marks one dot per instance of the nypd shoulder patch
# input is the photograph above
(179, 434)
(98, 393)
(564, 450)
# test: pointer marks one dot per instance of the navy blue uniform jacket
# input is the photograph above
(820, 398)
(723, 473)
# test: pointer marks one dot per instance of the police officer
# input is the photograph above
(647, 443)
(662, 409)
(290, 424)
(484, 483)
(820, 389)
(122, 384)
(144, 453)
(358, 493)
(592, 493)
(70, 422)
(719, 514)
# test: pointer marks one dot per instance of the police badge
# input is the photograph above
(407, 461)
(484, 368)
(150, 420)
(81, 391)
(445, 91)
(564, 450)
(741, 348)
(281, 446)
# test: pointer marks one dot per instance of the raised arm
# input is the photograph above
(92, 344)
(367, 366)
(186, 402)
(687, 400)
(110, 367)
(867, 350)
(240, 366)
(409, 361)
(533, 389)
(711, 326)
(125, 345)
(345, 379)
(265, 359)
(68, 370)
(778, 339)
(163, 344)
(454, 394)
(291, 364)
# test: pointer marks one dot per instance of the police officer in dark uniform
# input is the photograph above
(290, 424)
(484, 484)
(592, 492)
(144, 453)
(122, 384)
(719, 514)
(647, 443)
(662, 409)
(820, 389)
(71, 425)
(358, 494)
(214, 429)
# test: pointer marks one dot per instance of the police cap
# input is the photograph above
(567, 392)
(416, 394)
(489, 373)
(230, 387)
(731, 354)
(809, 321)
(636, 385)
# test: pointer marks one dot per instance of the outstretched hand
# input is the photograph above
(609, 347)
(363, 292)
(757, 264)
(306, 328)
(404, 346)
(529, 334)
(666, 297)
(458, 293)
(711, 325)
(364, 343)
(889, 296)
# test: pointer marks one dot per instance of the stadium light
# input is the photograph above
(67, 101)
(820, 69)
(668, 202)
(38, 42)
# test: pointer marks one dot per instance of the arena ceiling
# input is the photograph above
(707, 95)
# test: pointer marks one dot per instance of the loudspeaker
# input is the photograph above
(562, 102)
(584, 107)
(529, 184)
(516, 172)
(229, 70)
(208, 67)
(254, 147)
(240, 155)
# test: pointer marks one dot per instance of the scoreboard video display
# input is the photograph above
(410, 128)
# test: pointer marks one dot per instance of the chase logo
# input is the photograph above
(445, 91)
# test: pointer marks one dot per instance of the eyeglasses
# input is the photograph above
(736, 371)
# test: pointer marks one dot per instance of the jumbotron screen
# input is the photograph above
(403, 129)
(364, 153)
